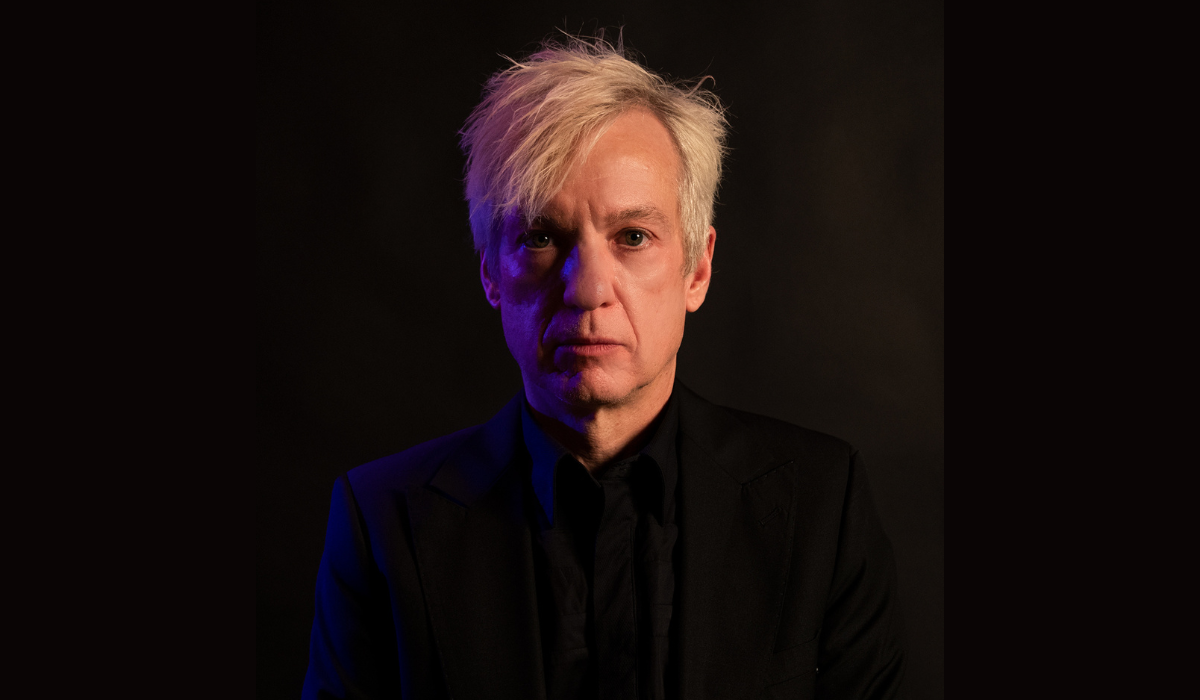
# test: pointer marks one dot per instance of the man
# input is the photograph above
(608, 534)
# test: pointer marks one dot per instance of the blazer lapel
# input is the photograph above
(736, 520)
(474, 551)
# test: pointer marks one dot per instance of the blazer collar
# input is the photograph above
(722, 437)
(471, 470)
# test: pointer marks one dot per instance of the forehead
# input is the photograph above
(637, 132)
(632, 170)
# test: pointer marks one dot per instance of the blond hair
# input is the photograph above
(539, 117)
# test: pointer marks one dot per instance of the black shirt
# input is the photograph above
(605, 577)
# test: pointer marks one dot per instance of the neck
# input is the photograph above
(599, 435)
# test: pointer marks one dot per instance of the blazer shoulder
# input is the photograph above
(411, 468)
(787, 440)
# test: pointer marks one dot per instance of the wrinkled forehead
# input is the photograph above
(635, 152)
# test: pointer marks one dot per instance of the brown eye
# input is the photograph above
(537, 239)
(634, 238)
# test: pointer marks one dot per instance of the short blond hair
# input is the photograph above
(539, 117)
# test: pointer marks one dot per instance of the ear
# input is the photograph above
(697, 282)
(490, 288)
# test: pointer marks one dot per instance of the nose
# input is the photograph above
(588, 274)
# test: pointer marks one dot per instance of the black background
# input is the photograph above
(827, 302)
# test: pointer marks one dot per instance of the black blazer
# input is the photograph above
(786, 582)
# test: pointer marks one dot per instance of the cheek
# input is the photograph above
(519, 331)
(522, 310)
(518, 313)
(657, 310)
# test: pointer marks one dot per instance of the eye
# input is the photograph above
(537, 239)
(633, 237)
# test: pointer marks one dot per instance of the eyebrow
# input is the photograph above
(550, 222)
(647, 212)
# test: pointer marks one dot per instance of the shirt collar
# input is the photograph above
(547, 454)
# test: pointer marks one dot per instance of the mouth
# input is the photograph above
(588, 346)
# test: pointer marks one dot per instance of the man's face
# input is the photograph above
(592, 294)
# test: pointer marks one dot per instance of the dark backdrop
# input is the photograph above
(826, 307)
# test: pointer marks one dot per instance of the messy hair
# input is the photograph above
(541, 116)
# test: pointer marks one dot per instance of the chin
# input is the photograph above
(592, 388)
